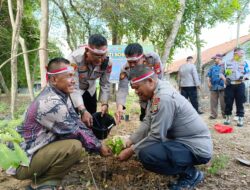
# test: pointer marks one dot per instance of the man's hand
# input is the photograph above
(87, 119)
(125, 154)
(128, 143)
(119, 113)
(104, 109)
(105, 151)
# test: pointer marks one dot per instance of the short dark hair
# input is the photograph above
(138, 71)
(55, 62)
(190, 57)
(97, 40)
(133, 49)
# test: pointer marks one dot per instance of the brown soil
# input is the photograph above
(108, 173)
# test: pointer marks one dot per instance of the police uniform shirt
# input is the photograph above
(188, 76)
(86, 76)
(171, 117)
(153, 60)
(234, 70)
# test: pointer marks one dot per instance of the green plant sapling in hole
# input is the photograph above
(116, 144)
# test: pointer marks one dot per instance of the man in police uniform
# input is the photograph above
(216, 86)
(135, 56)
(172, 138)
(189, 82)
(234, 72)
(92, 63)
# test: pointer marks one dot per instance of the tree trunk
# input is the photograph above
(43, 54)
(5, 88)
(238, 32)
(170, 40)
(14, 51)
(24, 50)
(198, 49)
(27, 67)
(66, 23)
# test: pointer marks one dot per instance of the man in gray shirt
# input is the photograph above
(189, 82)
(172, 138)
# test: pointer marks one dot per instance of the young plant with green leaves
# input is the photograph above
(14, 156)
(116, 145)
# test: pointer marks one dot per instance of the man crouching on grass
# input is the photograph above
(54, 134)
(172, 138)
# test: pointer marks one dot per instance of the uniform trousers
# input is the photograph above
(235, 92)
(90, 102)
(51, 163)
(170, 158)
(214, 96)
(191, 93)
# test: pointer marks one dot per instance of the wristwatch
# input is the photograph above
(82, 111)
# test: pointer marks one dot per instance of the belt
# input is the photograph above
(236, 82)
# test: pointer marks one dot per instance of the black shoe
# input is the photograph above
(200, 112)
(188, 182)
(211, 117)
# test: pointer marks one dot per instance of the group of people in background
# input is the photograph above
(225, 82)
(172, 138)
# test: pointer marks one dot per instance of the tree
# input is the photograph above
(171, 38)
(43, 54)
(241, 13)
(14, 50)
(206, 13)
(25, 55)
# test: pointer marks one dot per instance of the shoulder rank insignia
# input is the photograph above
(157, 68)
(109, 68)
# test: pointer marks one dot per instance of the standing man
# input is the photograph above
(92, 63)
(216, 86)
(234, 73)
(172, 138)
(53, 133)
(135, 56)
(189, 82)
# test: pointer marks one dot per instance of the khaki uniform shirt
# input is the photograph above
(153, 60)
(171, 117)
(86, 76)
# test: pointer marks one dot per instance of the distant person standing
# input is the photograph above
(234, 72)
(189, 82)
(216, 86)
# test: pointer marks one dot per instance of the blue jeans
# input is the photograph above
(170, 158)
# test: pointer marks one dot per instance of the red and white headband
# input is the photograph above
(135, 58)
(62, 70)
(142, 77)
(97, 51)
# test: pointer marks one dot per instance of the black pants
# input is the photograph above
(143, 113)
(170, 158)
(90, 102)
(235, 92)
(191, 94)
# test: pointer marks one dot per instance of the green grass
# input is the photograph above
(219, 163)
(3, 107)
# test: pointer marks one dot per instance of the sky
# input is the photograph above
(219, 34)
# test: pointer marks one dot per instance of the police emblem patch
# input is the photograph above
(155, 103)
